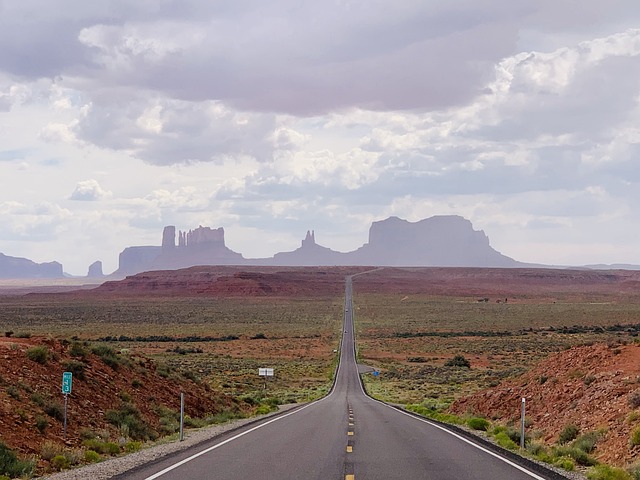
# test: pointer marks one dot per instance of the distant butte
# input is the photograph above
(443, 241)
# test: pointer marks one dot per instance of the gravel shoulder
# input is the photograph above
(116, 466)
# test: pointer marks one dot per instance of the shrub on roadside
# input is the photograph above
(569, 433)
(11, 465)
(60, 462)
(477, 423)
(504, 441)
(38, 354)
(635, 437)
(91, 456)
(605, 472)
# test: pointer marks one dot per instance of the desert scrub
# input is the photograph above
(130, 422)
(605, 472)
(478, 423)
(108, 355)
(102, 447)
(11, 465)
(568, 433)
(91, 456)
(458, 361)
(504, 441)
(76, 367)
(38, 354)
(634, 439)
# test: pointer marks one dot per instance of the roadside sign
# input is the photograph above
(265, 372)
(66, 382)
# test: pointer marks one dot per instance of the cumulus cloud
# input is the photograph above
(89, 190)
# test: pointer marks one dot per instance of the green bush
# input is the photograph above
(91, 456)
(78, 350)
(54, 409)
(569, 433)
(130, 421)
(477, 423)
(635, 436)
(76, 368)
(564, 463)
(60, 462)
(458, 361)
(38, 354)
(586, 442)
(605, 472)
(100, 446)
(132, 446)
(504, 441)
(580, 456)
(41, 423)
(108, 355)
(11, 466)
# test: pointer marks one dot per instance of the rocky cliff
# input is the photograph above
(442, 241)
(14, 267)
(445, 241)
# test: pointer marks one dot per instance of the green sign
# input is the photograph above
(66, 382)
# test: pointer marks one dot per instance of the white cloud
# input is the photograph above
(89, 190)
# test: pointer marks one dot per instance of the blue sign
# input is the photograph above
(66, 382)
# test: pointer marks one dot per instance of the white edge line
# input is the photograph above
(217, 445)
(460, 437)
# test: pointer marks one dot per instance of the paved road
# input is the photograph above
(344, 436)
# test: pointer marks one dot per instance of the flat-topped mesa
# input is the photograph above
(201, 235)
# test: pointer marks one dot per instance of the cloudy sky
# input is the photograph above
(271, 117)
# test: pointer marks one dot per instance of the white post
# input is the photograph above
(181, 416)
(522, 424)
(64, 429)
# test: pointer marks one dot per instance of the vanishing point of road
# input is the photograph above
(346, 435)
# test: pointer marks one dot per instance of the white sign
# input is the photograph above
(265, 372)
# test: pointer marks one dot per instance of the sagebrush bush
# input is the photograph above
(38, 354)
(11, 465)
(634, 399)
(568, 433)
(60, 462)
(635, 437)
(129, 419)
(91, 456)
(605, 472)
(458, 361)
(477, 423)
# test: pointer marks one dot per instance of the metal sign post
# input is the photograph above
(67, 380)
(522, 423)
(181, 416)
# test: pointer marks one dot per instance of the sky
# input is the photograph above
(271, 117)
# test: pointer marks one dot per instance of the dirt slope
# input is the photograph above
(30, 391)
(588, 386)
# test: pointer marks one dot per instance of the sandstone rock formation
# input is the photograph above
(202, 246)
(444, 241)
(95, 270)
(14, 267)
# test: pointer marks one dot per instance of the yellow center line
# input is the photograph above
(349, 449)
(350, 433)
(349, 477)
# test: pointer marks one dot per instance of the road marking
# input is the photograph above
(349, 449)
(218, 445)
(350, 434)
(349, 477)
(460, 437)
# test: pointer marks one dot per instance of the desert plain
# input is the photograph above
(566, 340)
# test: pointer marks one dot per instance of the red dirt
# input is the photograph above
(99, 391)
(586, 386)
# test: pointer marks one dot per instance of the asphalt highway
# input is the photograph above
(344, 436)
